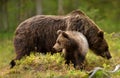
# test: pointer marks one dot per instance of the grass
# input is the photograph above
(53, 66)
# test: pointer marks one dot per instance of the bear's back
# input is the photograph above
(80, 40)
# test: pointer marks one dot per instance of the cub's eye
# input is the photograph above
(58, 42)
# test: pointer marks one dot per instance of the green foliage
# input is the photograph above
(6, 49)
(105, 66)
(105, 24)
(45, 66)
(101, 74)
(116, 75)
(50, 7)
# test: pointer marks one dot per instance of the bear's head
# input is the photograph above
(100, 46)
(64, 41)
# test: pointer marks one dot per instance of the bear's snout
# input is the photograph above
(57, 47)
(108, 55)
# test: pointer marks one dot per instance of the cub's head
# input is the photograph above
(100, 46)
(62, 40)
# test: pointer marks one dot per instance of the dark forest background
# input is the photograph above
(106, 13)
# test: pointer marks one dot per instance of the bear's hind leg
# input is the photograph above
(21, 48)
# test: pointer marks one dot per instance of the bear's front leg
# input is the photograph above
(79, 59)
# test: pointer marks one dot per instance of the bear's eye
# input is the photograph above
(106, 49)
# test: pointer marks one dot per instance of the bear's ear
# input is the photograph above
(65, 35)
(101, 34)
(78, 12)
(59, 32)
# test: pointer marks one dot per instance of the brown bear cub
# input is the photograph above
(74, 45)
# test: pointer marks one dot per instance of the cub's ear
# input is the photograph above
(65, 35)
(59, 32)
(101, 34)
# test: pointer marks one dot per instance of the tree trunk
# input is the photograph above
(38, 7)
(1, 12)
(21, 13)
(60, 7)
(4, 15)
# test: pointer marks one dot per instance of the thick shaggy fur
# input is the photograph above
(74, 45)
(38, 34)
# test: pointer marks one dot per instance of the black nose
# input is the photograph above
(109, 57)
(53, 49)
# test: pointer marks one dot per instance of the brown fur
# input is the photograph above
(39, 33)
(74, 46)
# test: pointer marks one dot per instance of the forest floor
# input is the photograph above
(53, 66)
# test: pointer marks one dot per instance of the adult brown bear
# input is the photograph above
(38, 34)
